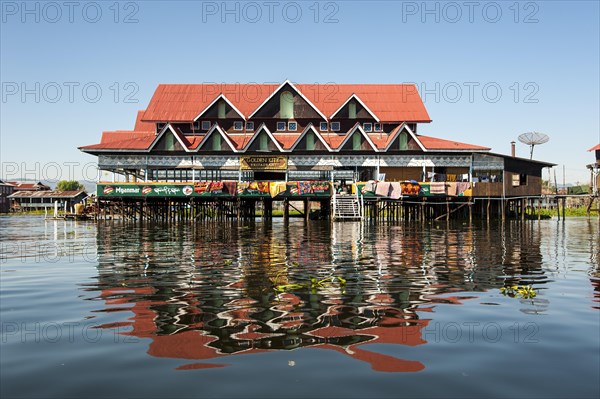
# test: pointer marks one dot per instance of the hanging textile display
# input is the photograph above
(382, 188)
(437, 188)
(276, 188)
(304, 188)
(242, 186)
(395, 190)
(410, 188)
(229, 187)
(215, 187)
(263, 187)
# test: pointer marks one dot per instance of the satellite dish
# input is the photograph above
(532, 139)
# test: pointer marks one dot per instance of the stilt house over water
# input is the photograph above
(288, 140)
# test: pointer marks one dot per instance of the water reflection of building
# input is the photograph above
(594, 272)
(206, 292)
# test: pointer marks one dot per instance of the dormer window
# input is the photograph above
(335, 126)
(263, 142)
(286, 105)
(310, 141)
(281, 126)
(216, 142)
(378, 127)
(368, 127)
(352, 110)
(292, 126)
(205, 125)
(403, 141)
(250, 126)
(356, 141)
(196, 125)
(323, 127)
(221, 110)
(238, 125)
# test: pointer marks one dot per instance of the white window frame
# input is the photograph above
(333, 126)
(289, 126)
(368, 127)
(250, 126)
(377, 127)
(205, 125)
(196, 125)
(326, 126)
(281, 124)
(240, 124)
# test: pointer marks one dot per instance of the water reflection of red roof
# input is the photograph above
(193, 343)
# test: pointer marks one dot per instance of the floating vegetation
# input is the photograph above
(519, 291)
(313, 284)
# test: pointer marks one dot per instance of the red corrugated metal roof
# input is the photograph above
(46, 194)
(390, 102)
(333, 140)
(128, 140)
(286, 140)
(194, 141)
(28, 186)
(24, 186)
(379, 139)
(596, 148)
(239, 141)
(141, 126)
(392, 135)
(138, 139)
(123, 140)
(183, 102)
(432, 143)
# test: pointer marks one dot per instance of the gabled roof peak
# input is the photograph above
(386, 102)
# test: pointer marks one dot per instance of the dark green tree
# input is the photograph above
(69, 185)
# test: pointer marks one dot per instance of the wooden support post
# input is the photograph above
(268, 208)
(306, 209)
(286, 209)
(470, 212)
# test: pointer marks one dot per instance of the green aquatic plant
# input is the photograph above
(519, 291)
(313, 284)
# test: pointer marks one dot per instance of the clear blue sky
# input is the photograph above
(543, 56)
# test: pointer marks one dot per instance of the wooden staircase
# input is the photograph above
(346, 207)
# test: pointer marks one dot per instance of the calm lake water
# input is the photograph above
(213, 310)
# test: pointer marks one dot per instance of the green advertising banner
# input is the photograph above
(159, 190)
(216, 189)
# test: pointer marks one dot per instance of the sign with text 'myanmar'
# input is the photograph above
(144, 190)
(263, 163)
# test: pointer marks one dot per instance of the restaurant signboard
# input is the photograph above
(260, 163)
